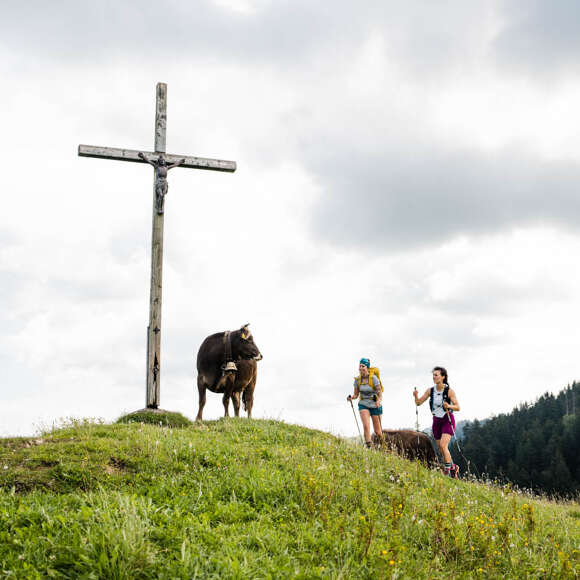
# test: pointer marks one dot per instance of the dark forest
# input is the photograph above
(536, 446)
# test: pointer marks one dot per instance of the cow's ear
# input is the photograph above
(244, 331)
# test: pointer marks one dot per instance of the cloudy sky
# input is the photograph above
(407, 190)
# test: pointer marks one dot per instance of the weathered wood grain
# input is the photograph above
(133, 155)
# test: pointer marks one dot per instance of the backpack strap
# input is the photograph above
(446, 396)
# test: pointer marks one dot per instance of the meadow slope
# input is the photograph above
(242, 498)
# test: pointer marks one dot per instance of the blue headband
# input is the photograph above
(366, 362)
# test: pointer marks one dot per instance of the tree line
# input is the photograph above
(536, 446)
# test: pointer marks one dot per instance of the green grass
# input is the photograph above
(242, 498)
(156, 417)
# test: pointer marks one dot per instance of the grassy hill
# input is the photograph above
(245, 498)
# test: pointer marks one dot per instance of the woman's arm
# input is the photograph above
(378, 390)
(420, 400)
(454, 403)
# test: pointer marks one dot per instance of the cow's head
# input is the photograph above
(243, 345)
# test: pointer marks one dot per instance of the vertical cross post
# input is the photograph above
(155, 293)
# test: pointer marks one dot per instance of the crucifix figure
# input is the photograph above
(161, 185)
(162, 163)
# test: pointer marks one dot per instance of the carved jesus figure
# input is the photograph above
(161, 185)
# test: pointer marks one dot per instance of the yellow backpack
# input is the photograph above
(372, 372)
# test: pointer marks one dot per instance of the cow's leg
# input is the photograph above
(230, 378)
(249, 396)
(236, 403)
(201, 391)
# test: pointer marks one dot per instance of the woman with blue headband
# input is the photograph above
(369, 404)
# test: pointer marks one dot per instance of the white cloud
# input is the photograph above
(469, 261)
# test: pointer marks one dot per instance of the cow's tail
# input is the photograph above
(244, 399)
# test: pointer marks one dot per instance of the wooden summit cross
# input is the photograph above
(161, 164)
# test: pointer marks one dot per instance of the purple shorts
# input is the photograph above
(442, 425)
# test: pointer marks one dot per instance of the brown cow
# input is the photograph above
(242, 382)
(410, 444)
(226, 363)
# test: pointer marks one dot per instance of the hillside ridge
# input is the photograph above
(239, 498)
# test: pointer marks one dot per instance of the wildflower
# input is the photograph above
(384, 552)
(391, 562)
(6, 467)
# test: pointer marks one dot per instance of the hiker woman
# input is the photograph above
(443, 402)
(369, 404)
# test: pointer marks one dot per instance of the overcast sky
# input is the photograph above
(407, 190)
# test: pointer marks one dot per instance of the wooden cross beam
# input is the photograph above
(161, 164)
(131, 155)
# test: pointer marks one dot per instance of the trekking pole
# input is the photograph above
(417, 418)
(467, 462)
(356, 420)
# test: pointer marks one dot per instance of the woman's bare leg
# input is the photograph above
(377, 425)
(366, 421)
(443, 444)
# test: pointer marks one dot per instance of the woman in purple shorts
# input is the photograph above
(443, 402)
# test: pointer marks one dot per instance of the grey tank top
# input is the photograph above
(366, 393)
